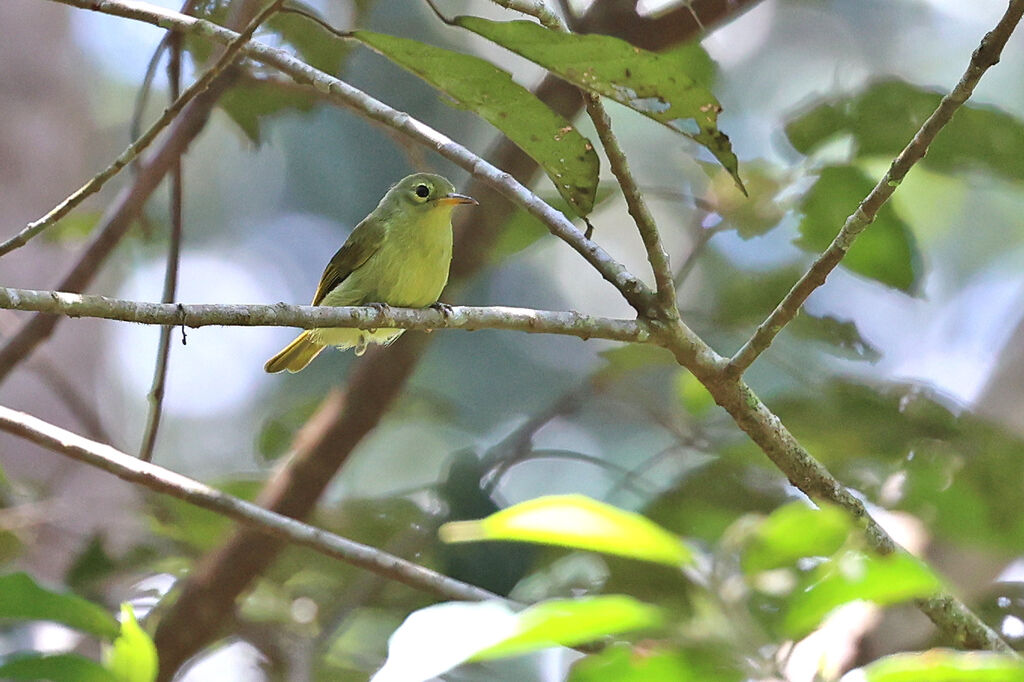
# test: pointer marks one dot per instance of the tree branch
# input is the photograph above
(135, 148)
(808, 474)
(986, 56)
(634, 290)
(164, 481)
(173, 259)
(566, 323)
(656, 254)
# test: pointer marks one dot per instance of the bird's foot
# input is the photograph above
(382, 308)
(443, 308)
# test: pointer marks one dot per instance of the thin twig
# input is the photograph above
(135, 148)
(986, 56)
(566, 323)
(163, 351)
(634, 290)
(656, 254)
(170, 483)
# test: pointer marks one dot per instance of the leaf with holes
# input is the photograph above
(652, 84)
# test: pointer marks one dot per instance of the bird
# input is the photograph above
(398, 255)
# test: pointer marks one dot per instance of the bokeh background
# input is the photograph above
(913, 397)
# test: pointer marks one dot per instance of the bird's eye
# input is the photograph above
(422, 191)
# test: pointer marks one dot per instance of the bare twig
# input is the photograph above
(135, 148)
(163, 351)
(566, 323)
(986, 56)
(656, 254)
(170, 483)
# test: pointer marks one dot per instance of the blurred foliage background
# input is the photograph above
(905, 375)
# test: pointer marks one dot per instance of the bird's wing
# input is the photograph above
(357, 249)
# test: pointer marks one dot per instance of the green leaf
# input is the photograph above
(793, 532)
(251, 103)
(886, 251)
(693, 396)
(55, 667)
(624, 663)
(851, 577)
(757, 213)
(632, 357)
(842, 336)
(941, 665)
(883, 118)
(22, 598)
(132, 657)
(569, 622)
(72, 228)
(316, 47)
(522, 229)
(654, 85)
(575, 521)
(475, 84)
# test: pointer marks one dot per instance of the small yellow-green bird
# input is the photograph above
(398, 255)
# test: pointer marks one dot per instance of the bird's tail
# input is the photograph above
(295, 356)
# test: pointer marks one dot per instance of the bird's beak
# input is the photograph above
(454, 199)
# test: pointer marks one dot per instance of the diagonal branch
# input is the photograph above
(986, 56)
(634, 290)
(123, 210)
(164, 481)
(565, 323)
(135, 148)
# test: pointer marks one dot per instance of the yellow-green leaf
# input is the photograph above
(575, 521)
(941, 665)
(132, 656)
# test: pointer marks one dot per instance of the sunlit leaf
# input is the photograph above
(475, 84)
(569, 622)
(71, 667)
(575, 521)
(852, 577)
(654, 85)
(941, 665)
(132, 656)
(883, 118)
(640, 663)
(22, 598)
(886, 251)
(793, 532)
(438, 638)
